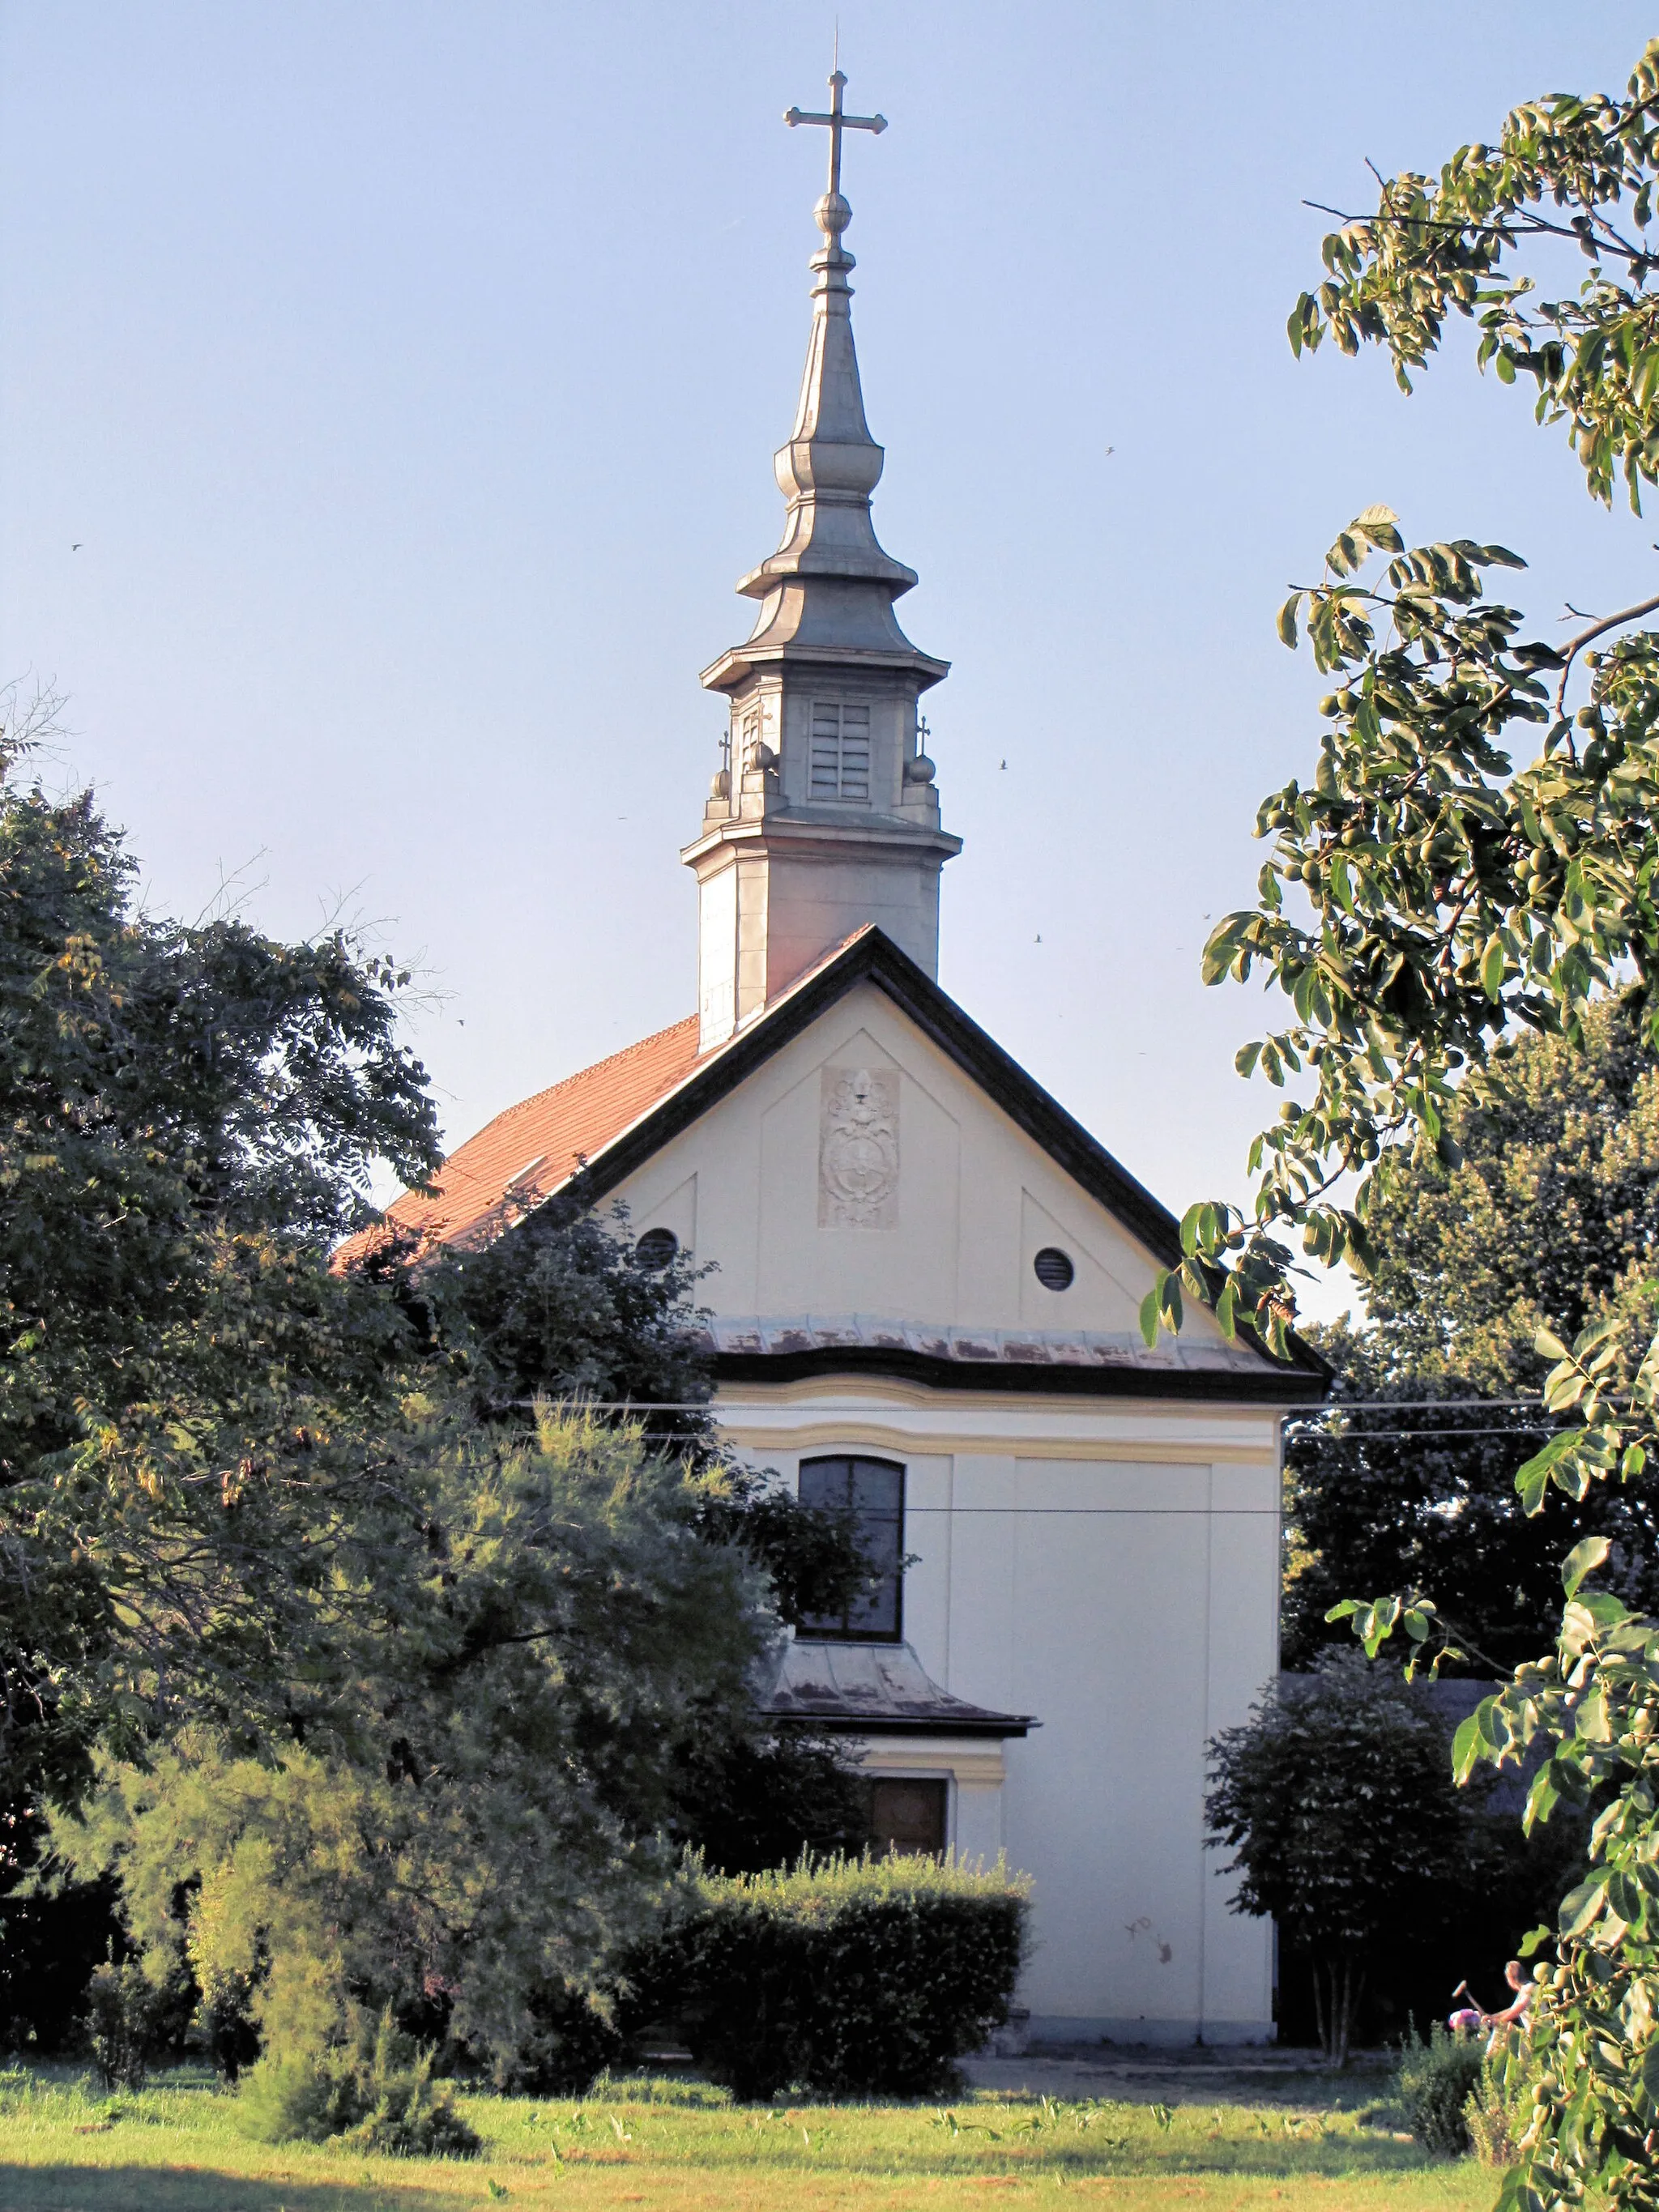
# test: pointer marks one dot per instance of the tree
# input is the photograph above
(470, 1819)
(188, 1115)
(562, 1307)
(228, 1466)
(1550, 1215)
(1451, 898)
(1338, 1799)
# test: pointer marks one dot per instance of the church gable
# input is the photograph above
(868, 1172)
(861, 1171)
(871, 1173)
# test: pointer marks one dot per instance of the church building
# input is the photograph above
(924, 1298)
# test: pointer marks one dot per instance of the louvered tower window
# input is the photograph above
(840, 751)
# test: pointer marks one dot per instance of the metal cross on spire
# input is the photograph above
(834, 123)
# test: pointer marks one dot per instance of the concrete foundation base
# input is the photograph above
(1158, 2034)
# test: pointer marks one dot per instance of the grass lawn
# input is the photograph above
(65, 2147)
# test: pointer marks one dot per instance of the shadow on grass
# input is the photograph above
(193, 2188)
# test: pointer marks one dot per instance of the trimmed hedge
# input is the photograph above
(852, 1977)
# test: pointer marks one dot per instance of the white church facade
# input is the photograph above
(924, 1298)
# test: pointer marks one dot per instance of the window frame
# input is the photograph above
(813, 1631)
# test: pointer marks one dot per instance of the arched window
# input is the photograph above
(873, 1492)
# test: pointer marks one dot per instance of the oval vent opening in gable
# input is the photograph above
(657, 1247)
(1053, 1269)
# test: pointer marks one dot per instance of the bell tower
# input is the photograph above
(825, 815)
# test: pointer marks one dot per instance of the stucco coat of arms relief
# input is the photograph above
(859, 1149)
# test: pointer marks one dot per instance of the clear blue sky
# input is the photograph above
(409, 375)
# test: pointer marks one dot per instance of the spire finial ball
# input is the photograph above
(832, 214)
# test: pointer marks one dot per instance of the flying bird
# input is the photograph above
(1005, 764)
(75, 548)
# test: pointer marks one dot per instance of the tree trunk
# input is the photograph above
(1339, 1984)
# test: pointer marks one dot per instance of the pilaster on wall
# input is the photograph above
(1242, 1658)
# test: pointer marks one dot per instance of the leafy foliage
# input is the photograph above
(561, 1307)
(1563, 169)
(280, 1504)
(1412, 1488)
(1436, 2081)
(1551, 1214)
(1550, 1217)
(854, 1978)
(1337, 1802)
(1501, 2105)
(758, 1799)
(120, 2024)
(1452, 896)
(468, 1816)
(188, 1114)
(380, 2097)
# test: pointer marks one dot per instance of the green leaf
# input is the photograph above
(1466, 1747)
(1222, 946)
(1287, 620)
(1580, 1906)
(1564, 1387)
(1542, 1798)
(1584, 1560)
(1345, 1611)
(1245, 1058)
(1492, 964)
(1532, 1481)
(1149, 1312)
(1624, 1898)
(1377, 523)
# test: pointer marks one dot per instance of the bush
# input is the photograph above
(1435, 2082)
(380, 2097)
(853, 1978)
(1500, 2107)
(297, 2100)
(569, 2040)
(120, 2024)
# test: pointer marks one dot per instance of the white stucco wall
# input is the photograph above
(1107, 1564)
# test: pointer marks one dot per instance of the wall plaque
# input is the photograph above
(858, 1148)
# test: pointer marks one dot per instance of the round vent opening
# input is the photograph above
(1053, 1269)
(658, 1246)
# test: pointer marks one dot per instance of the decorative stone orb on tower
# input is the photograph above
(827, 816)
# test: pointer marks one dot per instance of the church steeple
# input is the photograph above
(825, 817)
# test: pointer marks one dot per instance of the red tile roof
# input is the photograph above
(525, 1154)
